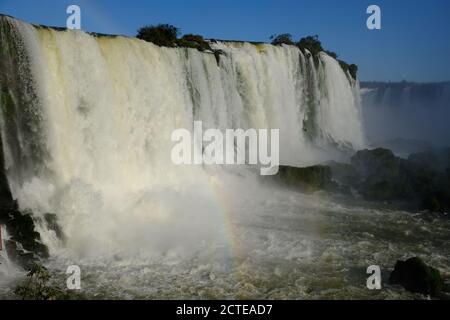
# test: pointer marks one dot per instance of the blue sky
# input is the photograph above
(413, 44)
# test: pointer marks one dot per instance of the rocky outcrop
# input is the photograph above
(378, 175)
(421, 182)
(308, 179)
(415, 276)
(24, 246)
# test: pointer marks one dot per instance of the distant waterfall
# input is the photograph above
(407, 110)
(86, 123)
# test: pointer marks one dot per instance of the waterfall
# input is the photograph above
(405, 110)
(7, 268)
(86, 122)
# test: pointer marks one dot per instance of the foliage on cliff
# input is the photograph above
(164, 35)
(313, 45)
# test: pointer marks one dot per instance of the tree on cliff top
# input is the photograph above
(285, 38)
(164, 35)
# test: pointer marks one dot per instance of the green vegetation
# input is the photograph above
(285, 38)
(37, 286)
(350, 68)
(194, 41)
(164, 35)
(313, 45)
(331, 54)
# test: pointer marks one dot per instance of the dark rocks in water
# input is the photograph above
(345, 174)
(380, 162)
(19, 255)
(415, 276)
(405, 147)
(438, 160)
(308, 179)
(217, 54)
(51, 221)
(385, 177)
(25, 246)
(21, 229)
(379, 175)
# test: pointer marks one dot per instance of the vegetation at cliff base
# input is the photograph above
(37, 285)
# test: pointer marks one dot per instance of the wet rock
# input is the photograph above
(308, 179)
(415, 276)
(17, 254)
(25, 244)
(384, 177)
(51, 221)
(21, 229)
(380, 162)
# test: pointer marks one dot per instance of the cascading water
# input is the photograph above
(406, 110)
(86, 125)
(8, 270)
(98, 149)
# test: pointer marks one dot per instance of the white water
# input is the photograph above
(8, 270)
(107, 107)
(93, 147)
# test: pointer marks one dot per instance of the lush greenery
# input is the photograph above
(310, 43)
(194, 41)
(285, 38)
(350, 68)
(313, 45)
(164, 35)
(37, 286)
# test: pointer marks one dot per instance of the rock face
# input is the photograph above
(415, 276)
(420, 182)
(25, 246)
(378, 175)
(307, 179)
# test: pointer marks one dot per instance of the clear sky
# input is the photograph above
(413, 44)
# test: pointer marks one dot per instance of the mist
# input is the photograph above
(406, 111)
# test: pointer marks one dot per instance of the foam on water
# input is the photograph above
(98, 150)
(92, 145)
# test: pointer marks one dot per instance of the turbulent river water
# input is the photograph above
(86, 123)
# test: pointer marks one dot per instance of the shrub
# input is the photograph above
(37, 286)
(311, 43)
(332, 54)
(164, 35)
(285, 38)
(352, 68)
(194, 41)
